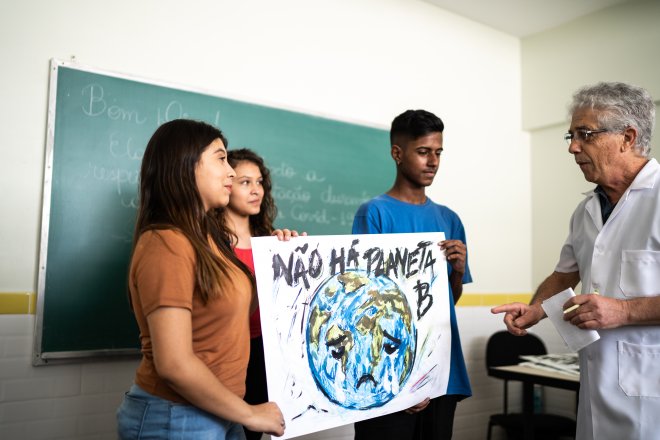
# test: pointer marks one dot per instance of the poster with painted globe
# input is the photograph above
(354, 326)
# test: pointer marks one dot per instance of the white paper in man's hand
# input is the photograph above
(575, 337)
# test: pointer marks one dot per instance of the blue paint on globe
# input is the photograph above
(361, 339)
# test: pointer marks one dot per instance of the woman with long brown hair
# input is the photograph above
(191, 297)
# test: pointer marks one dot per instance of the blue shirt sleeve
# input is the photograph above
(364, 221)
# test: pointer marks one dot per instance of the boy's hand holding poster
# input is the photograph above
(354, 326)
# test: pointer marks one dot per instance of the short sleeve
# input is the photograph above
(365, 220)
(567, 261)
(163, 271)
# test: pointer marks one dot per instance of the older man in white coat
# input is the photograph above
(613, 248)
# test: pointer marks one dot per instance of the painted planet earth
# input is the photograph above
(360, 339)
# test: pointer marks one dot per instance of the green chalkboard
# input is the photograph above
(98, 126)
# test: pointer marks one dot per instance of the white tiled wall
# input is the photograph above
(73, 401)
(78, 401)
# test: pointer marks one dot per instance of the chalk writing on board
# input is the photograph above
(330, 197)
(118, 177)
(318, 216)
(173, 110)
(95, 104)
(124, 148)
(312, 176)
(295, 194)
(299, 202)
(284, 170)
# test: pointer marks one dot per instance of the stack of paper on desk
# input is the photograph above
(559, 362)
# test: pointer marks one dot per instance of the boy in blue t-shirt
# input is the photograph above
(416, 138)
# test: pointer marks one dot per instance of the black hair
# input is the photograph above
(413, 124)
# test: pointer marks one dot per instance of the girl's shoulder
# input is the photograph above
(171, 239)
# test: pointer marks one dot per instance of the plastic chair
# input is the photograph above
(503, 348)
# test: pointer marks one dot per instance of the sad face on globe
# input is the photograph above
(360, 339)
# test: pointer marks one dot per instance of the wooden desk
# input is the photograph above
(530, 376)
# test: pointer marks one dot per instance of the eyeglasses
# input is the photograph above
(583, 135)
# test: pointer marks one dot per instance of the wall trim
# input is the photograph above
(492, 299)
(24, 303)
(18, 303)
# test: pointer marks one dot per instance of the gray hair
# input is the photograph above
(622, 105)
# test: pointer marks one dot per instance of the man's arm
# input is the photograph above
(644, 311)
(456, 254)
(456, 283)
(519, 317)
(599, 311)
(555, 283)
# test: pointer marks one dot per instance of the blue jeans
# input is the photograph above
(145, 416)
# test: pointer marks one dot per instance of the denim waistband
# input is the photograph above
(138, 392)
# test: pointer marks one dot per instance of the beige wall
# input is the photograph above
(617, 44)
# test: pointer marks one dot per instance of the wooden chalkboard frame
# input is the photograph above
(375, 171)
